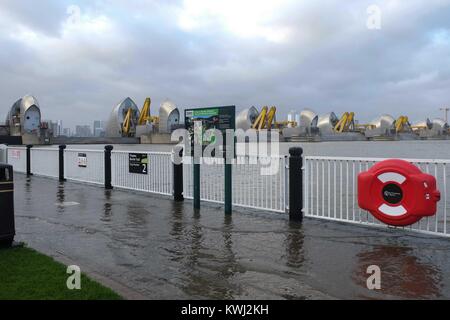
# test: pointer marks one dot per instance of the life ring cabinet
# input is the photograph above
(397, 192)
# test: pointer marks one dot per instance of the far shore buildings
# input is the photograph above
(83, 131)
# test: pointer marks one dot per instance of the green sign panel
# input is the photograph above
(199, 121)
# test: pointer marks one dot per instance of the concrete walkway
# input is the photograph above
(147, 246)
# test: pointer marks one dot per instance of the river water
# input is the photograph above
(415, 149)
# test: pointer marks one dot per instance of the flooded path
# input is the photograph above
(165, 250)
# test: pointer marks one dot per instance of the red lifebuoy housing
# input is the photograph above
(397, 193)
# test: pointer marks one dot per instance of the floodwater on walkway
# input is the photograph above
(166, 250)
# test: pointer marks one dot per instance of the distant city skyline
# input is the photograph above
(97, 129)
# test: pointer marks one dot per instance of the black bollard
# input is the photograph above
(178, 180)
(108, 175)
(295, 184)
(61, 162)
(29, 146)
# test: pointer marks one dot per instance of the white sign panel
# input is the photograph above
(82, 160)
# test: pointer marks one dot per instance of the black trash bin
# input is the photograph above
(7, 229)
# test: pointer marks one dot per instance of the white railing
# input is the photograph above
(258, 182)
(157, 178)
(17, 157)
(45, 162)
(252, 188)
(85, 165)
(330, 191)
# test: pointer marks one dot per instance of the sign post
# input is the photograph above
(196, 194)
(228, 188)
(200, 123)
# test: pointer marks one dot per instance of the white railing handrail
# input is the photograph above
(84, 150)
(274, 156)
(362, 159)
(143, 151)
(44, 149)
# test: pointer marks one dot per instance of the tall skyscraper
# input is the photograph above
(55, 127)
(67, 132)
(99, 128)
(60, 127)
(83, 131)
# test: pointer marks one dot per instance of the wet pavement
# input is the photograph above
(165, 250)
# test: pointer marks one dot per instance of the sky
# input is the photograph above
(80, 58)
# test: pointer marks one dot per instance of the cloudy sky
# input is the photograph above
(79, 58)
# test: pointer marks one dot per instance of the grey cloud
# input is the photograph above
(331, 62)
(42, 16)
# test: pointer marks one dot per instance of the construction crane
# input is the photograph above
(402, 124)
(346, 123)
(265, 118)
(445, 112)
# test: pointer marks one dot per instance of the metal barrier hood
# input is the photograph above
(246, 118)
(440, 123)
(424, 124)
(308, 119)
(440, 127)
(327, 122)
(384, 122)
(169, 116)
(24, 116)
(117, 117)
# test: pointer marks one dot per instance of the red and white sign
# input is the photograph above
(15, 154)
(397, 193)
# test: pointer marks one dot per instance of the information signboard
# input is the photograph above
(138, 163)
(199, 121)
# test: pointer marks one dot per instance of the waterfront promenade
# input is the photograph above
(147, 246)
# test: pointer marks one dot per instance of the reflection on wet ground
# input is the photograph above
(167, 250)
(403, 273)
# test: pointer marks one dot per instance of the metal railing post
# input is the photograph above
(61, 162)
(178, 179)
(295, 184)
(108, 175)
(29, 146)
